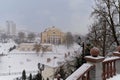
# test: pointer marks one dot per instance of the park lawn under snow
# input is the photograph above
(9, 77)
(12, 65)
(15, 62)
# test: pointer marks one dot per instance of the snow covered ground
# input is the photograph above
(12, 64)
(9, 77)
(117, 77)
(4, 47)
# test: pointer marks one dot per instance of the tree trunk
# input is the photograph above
(112, 24)
(114, 31)
(104, 38)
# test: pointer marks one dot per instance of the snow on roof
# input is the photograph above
(79, 71)
(51, 28)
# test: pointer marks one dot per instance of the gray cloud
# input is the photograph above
(68, 15)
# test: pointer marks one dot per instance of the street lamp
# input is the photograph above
(41, 67)
(82, 44)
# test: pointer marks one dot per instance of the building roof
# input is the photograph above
(51, 29)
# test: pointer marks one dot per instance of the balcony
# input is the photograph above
(98, 68)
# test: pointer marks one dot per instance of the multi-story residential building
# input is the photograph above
(11, 28)
(52, 35)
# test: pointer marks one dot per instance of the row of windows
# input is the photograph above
(53, 41)
(54, 36)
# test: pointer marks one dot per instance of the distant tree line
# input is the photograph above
(68, 40)
(22, 37)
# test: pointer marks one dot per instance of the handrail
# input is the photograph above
(81, 73)
(109, 67)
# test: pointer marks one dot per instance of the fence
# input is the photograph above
(83, 73)
(108, 67)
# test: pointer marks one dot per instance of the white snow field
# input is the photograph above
(12, 64)
(4, 47)
(117, 77)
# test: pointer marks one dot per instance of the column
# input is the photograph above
(96, 72)
(117, 54)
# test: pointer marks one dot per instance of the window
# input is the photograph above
(53, 32)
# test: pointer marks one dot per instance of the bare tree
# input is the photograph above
(4, 37)
(39, 47)
(100, 36)
(104, 33)
(21, 36)
(31, 37)
(68, 40)
(108, 9)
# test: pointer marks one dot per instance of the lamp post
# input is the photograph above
(41, 67)
(82, 44)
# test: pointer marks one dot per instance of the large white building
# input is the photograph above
(11, 28)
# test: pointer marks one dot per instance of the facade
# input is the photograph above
(49, 72)
(25, 47)
(52, 35)
(30, 47)
(11, 28)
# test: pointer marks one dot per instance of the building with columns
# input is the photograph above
(52, 35)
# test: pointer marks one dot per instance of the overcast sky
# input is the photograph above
(36, 15)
